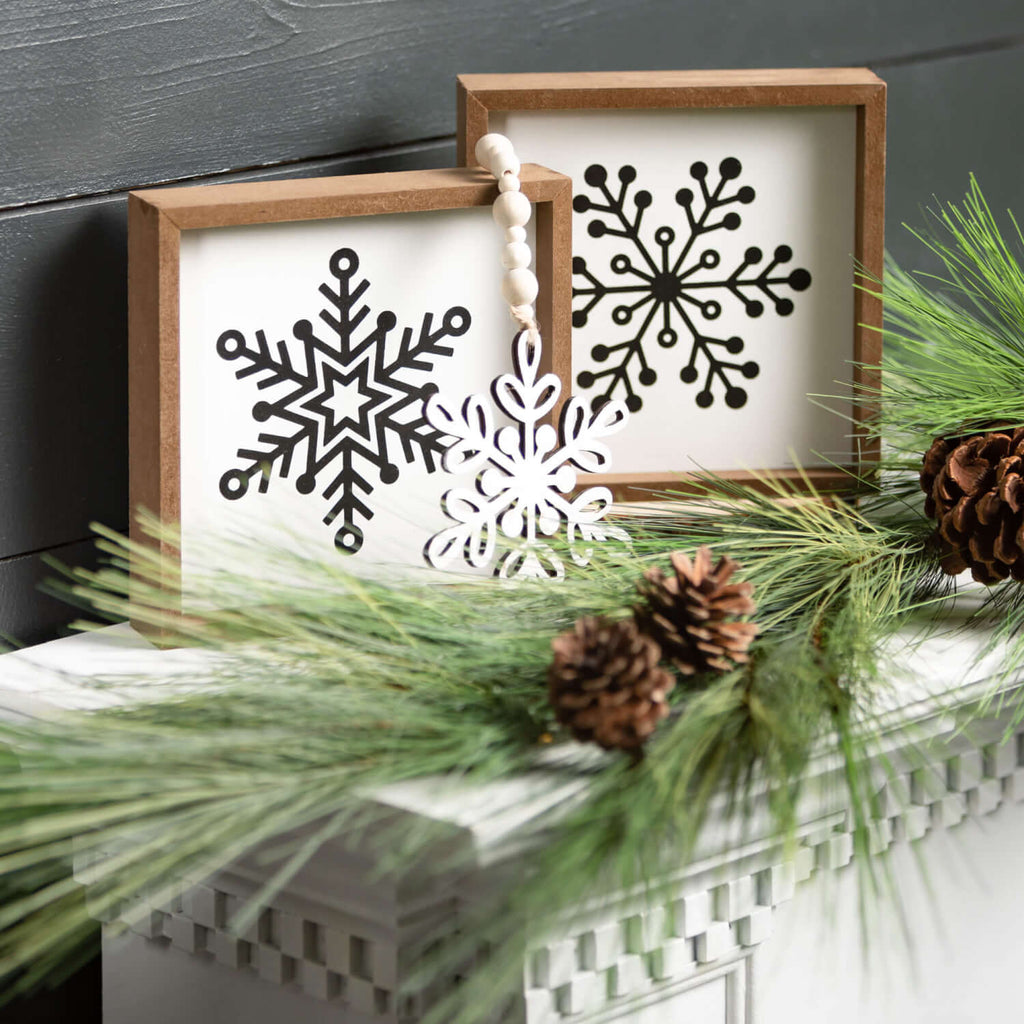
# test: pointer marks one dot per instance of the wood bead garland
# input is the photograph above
(497, 154)
(519, 287)
(511, 211)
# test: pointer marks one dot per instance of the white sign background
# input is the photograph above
(267, 276)
(801, 163)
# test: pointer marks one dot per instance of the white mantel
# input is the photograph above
(745, 935)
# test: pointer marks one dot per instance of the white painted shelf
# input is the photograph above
(745, 933)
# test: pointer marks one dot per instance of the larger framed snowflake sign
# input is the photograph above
(720, 218)
(286, 338)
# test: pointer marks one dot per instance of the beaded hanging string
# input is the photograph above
(512, 211)
(526, 471)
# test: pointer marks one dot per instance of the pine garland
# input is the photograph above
(359, 684)
(316, 693)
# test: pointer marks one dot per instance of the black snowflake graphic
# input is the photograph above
(669, 290)
(347, 407)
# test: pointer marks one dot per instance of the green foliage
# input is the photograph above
(954, 347)
(954, 363)
(316, 687)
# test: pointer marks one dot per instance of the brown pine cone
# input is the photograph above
(975, 494)
(693, 614)
(606, 685)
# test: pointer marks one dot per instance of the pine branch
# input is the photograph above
(954, 345)
(313, 694)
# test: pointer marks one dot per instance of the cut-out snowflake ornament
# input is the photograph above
(527, 472)
(676, 288)
(349, 407)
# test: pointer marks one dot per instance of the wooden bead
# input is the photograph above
(515, 255)
(511, 209)
(490, 145)
(504, 162)
(519, 287)
(509, 183)
(515, 234)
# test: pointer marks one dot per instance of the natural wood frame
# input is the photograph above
(157, 217)
(479, 95)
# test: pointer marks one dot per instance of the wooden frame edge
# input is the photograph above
(553, 263)
(357, 195)
(153, 407)
(869, 247)
(477, 94)
(654, 486)
(156, 218)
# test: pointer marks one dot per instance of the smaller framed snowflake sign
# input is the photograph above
(719, 220)
(286, 340)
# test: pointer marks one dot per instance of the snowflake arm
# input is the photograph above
(272, 370)
(349, 506)
(416, 437)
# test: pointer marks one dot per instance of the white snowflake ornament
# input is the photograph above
(527, 472)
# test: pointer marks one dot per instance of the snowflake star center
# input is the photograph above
(345, 401)
(344, 397)
(666, 287)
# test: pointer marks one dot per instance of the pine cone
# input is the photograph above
(606, 685)
(693, 613)
(975, 494)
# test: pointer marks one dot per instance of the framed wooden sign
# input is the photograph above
(284, 337)
(719, 218)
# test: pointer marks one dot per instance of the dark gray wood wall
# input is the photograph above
(100, 96)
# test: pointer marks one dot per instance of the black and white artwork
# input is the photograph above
(670, 284)
(308, 351)
(712, 279)
(347, 410)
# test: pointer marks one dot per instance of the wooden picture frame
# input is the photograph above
(548, 117)
(169, 227)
